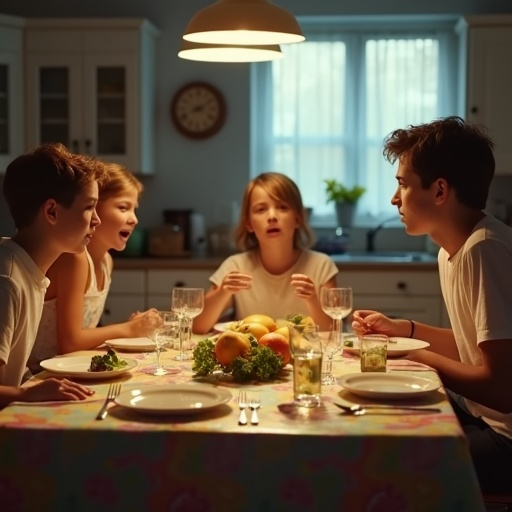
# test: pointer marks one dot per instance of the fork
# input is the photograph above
(242, 405)
(254, 405)
(112, 393)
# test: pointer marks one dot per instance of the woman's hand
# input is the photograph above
(55, 389)
(304, 286)
(236, 281)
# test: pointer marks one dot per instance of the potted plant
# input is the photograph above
(345, 200)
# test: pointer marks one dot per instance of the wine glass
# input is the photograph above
(337, 303)
(162, 327)
(187, 303)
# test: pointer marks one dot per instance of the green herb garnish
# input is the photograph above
(107, 362)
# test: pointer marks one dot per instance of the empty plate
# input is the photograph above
(173, 398)
(78, 367)
(222, 326)
(387, 385)
(132, 344)
(397, 347)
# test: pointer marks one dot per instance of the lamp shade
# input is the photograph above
(243, 22)
(228, 53)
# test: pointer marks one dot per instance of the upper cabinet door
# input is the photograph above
(489, 93)
(93, 89)
(54, 89)
(11, 86)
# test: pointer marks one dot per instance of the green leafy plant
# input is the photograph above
(338, 193)
(261, 364)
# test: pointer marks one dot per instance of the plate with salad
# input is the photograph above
(107, 366)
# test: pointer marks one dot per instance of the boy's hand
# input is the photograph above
(55, 389)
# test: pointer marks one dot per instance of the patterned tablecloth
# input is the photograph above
(58, 457)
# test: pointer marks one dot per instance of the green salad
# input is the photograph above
(107, 363)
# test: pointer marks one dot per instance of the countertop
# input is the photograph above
(396, 261)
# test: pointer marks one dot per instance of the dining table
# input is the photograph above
(56, 456)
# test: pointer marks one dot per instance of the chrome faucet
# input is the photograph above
(371, 233)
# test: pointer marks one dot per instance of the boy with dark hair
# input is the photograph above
(444, 173)
(52, 196)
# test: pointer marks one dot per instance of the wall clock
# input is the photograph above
(198, 110)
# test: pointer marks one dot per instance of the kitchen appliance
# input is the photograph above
(198, 242)
(179, 220)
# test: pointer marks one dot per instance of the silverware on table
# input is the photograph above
(254, 405)
(242, 405)
(112, 393)
(359, 410)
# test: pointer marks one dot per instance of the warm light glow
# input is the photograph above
(243, 22)
(228, 53)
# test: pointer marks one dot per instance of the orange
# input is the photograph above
(230, 345)
(279, 344)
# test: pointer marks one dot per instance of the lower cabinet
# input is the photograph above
(140, 289)
(161, 282)
(410, 294)
(415, 295)
(127, 294)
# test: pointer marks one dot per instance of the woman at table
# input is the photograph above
(276, 274)
(444, 172)
(80, 283)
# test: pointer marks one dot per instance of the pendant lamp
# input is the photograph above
(228, 53)
(243, 22)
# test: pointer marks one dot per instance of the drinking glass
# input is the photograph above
(161, 328)
(337, 303)
(187, 303)
(306, 348)
(374, 351)
(331, 345)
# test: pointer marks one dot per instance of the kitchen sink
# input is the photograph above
(384, 257)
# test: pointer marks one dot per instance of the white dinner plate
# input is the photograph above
(132, 344)
(78, 367)
(222, 326)
(387, 385)
(173, 398)
(397, 347)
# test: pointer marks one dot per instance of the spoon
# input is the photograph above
(359, 410)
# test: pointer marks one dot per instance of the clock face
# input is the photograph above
(198, 110)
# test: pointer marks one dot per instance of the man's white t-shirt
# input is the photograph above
(477, 289)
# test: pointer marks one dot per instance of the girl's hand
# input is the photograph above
(365, 321)
(304, 286)
(56, 389)
(141, 323)
(236, 281)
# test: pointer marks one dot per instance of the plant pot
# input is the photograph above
(345, 214)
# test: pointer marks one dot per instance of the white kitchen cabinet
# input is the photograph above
(161, 282)
(127, 294)
(489, 65)
(415, 294)
(91, 86)
(11, 87)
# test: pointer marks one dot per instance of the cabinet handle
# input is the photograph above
(106, 311)
(179, 284)
(75, 146)
(474, 110)
(87, 146)
(401, 285)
